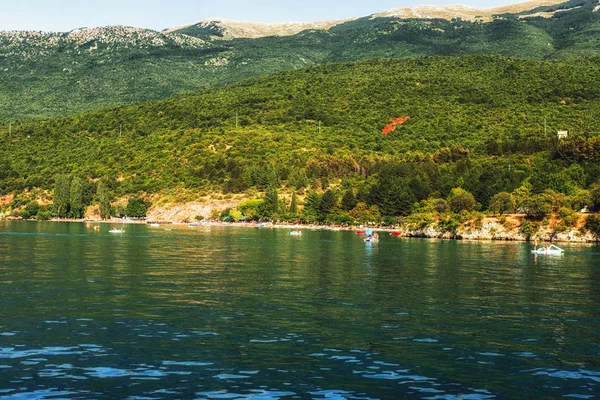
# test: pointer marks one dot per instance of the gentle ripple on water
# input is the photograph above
(259, 314)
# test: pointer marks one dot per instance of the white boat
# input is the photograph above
(117, 230)
(551, 250)
(155, 225)
(295, 233)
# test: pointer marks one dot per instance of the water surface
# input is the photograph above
(259, 314)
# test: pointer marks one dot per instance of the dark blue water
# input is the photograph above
(258, 314)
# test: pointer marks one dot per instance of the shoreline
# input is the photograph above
(490, 231)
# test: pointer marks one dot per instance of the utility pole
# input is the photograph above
(319, 127)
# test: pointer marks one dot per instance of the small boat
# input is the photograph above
(551, 250)
(117, 230)
(295, 233)
(154, 225)
(396, 233)
(372, 238)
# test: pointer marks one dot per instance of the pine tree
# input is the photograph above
(348, 200)
(104, 200)
(76, 198)
(294, 204)
(61, 195)
(327, 203)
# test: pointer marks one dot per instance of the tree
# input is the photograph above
(294, 204)
(522, 194)
(311, 206)
(298, 179)
(348, 200)
(136, 208)
(103, 199)
(362, 213)
(236, 215)
(76, 198)
(327, 204)
(526, 228)
(595, 196)
(539, 205)
(249, 209)
(582, 199)
(272, 199)
(502, 203)
(32, 208)
(461, 200)
(593, 225)
(393, 197)
(61, 195)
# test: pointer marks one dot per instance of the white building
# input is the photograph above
(562, 134)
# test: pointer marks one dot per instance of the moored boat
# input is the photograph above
(551, 250)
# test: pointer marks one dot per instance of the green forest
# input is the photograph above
(308, 145)
(43, 76)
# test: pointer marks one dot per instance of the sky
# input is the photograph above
(66, 15)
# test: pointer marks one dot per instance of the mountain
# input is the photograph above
(219, 28)
(215, 29)
(46, 74)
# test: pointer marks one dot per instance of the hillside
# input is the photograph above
(485, 124)
(47, 74)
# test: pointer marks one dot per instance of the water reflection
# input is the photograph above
(257, 313)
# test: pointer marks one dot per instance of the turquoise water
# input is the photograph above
(259, 314)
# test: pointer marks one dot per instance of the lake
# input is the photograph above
(250, 313)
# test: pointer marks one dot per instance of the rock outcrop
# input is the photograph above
(491, 228)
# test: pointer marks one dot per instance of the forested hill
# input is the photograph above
(56, 74)
(483, 123)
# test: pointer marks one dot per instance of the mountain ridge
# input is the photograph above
(47, 74)
(230, 29)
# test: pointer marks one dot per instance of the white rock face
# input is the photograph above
(236, 29)
(464, 12)
(28, 43)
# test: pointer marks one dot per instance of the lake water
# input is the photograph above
(249, 313)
